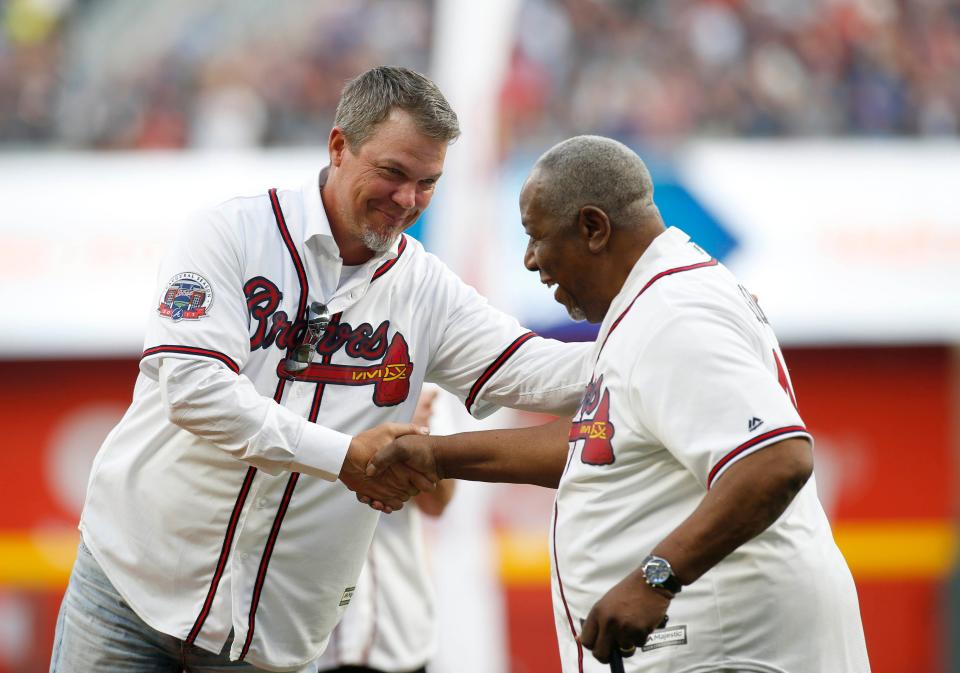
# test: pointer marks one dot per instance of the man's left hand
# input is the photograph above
(624, 617)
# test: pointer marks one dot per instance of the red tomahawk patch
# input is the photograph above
(597, 433)
(390, 379)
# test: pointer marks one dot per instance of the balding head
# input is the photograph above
(593, 171)
(588, 211)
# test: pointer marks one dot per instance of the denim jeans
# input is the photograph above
(97, 632)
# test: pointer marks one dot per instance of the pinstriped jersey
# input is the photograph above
(237, 524)
(685, 379)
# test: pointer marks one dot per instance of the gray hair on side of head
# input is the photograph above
(369, 98)
(593, 171)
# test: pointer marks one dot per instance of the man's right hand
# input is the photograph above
(395, 484)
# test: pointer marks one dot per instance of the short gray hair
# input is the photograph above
(369, 98)
(592, 171)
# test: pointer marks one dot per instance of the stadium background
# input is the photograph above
(811, 145)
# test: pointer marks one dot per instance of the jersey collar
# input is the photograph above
(668, 244)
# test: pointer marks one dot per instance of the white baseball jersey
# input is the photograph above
(687, 378)
(213, 505)
(390, 624)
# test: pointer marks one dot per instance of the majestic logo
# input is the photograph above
(675, 635)
(187, 297)
(346, 596)
(390, 376)
(597, 432)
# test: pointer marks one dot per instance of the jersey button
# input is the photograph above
(261, 503)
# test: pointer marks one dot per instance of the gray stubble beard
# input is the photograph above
(377, 242)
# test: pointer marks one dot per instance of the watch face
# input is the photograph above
(656, 571)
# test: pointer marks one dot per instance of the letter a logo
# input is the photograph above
(597, 434)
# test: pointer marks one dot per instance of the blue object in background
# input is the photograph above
(678, 206)
(681, 209)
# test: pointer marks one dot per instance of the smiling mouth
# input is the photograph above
(394, 219)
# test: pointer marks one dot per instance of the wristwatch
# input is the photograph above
(659, 574)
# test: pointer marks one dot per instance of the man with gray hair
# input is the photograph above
(218, 530)
(685, 479)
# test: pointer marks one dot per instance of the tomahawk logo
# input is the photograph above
(597, 432)
(390, 379)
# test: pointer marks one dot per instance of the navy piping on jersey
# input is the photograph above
(224, 553)
(496, 365)
(792, 429)
(292, 481)
(192, 350)
(668, 272)
(251, 471)
(325, 359)
(563, 598)
(301, 276)
(386, 266)
(265, 561)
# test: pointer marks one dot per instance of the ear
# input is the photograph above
(594, 227)
(337, 144)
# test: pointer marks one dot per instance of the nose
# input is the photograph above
(529, 261)
(405, 195)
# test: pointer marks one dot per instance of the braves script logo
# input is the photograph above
(390, 378)
(598, 431)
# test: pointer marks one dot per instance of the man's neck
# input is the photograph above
(352, 250)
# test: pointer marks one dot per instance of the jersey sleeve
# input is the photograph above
(488, 360)
(199, 309)
(708, 391)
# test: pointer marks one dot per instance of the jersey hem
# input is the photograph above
(207, 644)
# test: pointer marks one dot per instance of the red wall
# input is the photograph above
(885, 454)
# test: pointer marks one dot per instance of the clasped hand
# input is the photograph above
(388, 484)
(408, 455)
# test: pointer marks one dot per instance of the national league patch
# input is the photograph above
(187, 297)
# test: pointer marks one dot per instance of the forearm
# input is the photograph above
(225, 409)
(742, 504)
(534, 455)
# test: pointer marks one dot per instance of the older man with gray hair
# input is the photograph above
(687, 534)
(218, 531)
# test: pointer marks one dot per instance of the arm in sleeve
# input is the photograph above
(708, 391)
(205, 264)
(488, 360)
(225, 409)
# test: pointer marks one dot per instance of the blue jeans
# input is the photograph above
(97, 632)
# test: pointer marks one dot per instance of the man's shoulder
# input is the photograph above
(254, 214)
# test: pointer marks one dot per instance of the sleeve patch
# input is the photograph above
(187, 296)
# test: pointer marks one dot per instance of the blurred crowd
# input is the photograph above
(647, 69)
(152, 74)
(202, 73)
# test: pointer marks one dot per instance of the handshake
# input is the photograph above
(387, 465)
